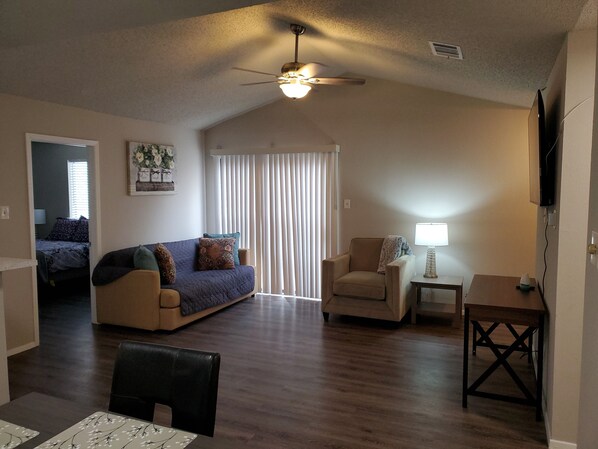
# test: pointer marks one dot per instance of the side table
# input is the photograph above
(438, 309)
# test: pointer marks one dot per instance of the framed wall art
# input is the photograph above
(152, 169)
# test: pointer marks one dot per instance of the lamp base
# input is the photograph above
(431, 263)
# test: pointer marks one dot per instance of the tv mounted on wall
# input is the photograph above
(542, 160)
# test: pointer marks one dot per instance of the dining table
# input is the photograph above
(50, 416)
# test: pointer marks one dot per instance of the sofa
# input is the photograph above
(133, 297)
(357, 283)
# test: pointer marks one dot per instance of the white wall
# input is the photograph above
(570, 84)
(125, 220)
(410, 154)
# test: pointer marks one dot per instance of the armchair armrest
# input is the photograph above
(398, 285)
(332, 269)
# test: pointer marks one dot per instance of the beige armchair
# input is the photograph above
(352, 286)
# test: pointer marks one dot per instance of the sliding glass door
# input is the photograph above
(285, 206)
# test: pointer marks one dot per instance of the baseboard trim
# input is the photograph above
(555, 444)
(22, 348)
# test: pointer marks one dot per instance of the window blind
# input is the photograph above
(78, 188)
(285, 206)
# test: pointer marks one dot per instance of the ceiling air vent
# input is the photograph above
(446, 50)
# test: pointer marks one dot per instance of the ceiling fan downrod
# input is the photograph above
(297, 30)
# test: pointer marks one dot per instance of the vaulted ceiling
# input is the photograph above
(171, 61)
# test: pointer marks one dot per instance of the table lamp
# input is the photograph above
(39, 216)
(431, 235)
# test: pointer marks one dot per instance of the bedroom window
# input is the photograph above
(285, 206)
(78, 188)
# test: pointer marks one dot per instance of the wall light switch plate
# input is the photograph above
(4, 212)
(347, 204)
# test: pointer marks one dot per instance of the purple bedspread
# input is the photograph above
(199, 290)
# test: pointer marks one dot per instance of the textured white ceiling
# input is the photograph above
(170, 61)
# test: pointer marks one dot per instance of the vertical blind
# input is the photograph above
(78, 189)
(285, 206)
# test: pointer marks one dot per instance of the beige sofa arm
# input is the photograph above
(244, 254)
(332, 269)
(398, 285)
(132, 300)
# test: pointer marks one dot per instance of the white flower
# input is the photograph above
(139, 157)
(157, 159)
(171, 165)
(169, 151)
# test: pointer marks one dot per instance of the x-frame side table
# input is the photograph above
(496, 299)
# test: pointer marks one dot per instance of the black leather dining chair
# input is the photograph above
(186, 380)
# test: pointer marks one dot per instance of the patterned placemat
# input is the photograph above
(12, 435)
(107, 430)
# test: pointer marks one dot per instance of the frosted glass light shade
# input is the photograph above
(295, 89)
(431, 234)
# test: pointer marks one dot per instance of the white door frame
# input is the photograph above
(94, 204)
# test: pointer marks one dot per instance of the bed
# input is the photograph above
(64, 254)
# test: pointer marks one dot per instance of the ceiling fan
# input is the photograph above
(297, 78)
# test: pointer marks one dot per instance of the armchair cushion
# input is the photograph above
(365, 254)
(361, 284)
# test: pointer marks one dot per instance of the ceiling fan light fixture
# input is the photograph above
(295, 89)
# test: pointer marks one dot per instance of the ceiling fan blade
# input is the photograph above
(255, 71)
(261, 82)
(337, 81)
(311, 69)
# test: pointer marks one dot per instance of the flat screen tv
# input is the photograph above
(542, 160)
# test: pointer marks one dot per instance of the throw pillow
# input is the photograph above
(216, 254)
(81, 233)
(144, 259)
(166, 264)
(236, 236)
(391, 249)
(63, 229)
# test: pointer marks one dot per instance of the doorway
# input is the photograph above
(92, 153)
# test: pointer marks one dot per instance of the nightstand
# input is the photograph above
(438, 309)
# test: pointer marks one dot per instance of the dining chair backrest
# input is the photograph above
(186, 380)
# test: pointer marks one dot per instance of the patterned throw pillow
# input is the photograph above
(166, 264)
(216, 254)
(236, 236)
(144, 259)
(81, 233)
(63, 229)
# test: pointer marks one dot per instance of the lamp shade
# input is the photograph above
(39, 216)
(295, 89)
(431, 234)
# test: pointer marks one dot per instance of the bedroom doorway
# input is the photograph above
(57, 169)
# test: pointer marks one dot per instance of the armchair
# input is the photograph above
(351, 284)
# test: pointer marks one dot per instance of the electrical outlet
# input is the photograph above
(552, 218)
(4, 212)
(347, 204)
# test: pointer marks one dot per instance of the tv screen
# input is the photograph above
(541, 157)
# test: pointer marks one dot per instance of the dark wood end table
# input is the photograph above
(497, 300)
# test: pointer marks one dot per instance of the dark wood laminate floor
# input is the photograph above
(289, 380)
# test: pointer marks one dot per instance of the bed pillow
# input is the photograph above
(63, 229)
(81, 233)
(166, 264)
(236, 236)
(144, 259)
(216, 254)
